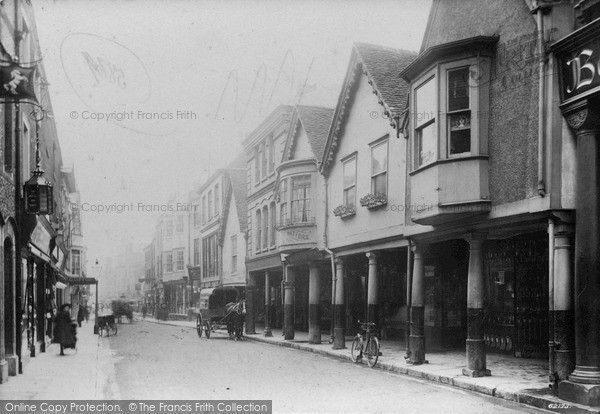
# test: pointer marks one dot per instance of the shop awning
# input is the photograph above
(70, 280)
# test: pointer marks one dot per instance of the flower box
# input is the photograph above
(373, 201)
(344, 210)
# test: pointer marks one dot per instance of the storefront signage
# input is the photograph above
(581, 71)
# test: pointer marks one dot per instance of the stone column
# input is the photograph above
(250, 305)
(563, 314)
(583, 385)
(373, 290)
(267, 331)
(339, 309)
(476, 361)
(314, 304)
(417, 309)
(288, 303)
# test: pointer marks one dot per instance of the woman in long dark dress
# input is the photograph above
(65, 328)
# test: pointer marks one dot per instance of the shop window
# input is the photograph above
(349, 181)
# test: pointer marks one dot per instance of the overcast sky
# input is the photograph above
(211, 70)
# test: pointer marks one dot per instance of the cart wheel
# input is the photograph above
(207, 329)
(199, 326)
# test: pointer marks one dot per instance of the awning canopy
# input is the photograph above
(70, 280)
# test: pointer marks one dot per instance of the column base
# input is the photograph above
(476, 373)
(267, 332)
(564, 363)
(13, 366)
(3, 372)
(339, 341)
(417, 349)
(586, 394)
(476, 360)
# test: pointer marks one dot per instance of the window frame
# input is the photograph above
(234, 253)
(346, 160)
(430, 76)
(307, 200)
(375, 144)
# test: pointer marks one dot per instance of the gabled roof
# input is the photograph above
(381, 65)
(236, 190)
(316, 121)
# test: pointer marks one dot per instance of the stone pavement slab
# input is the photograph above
(87, 373)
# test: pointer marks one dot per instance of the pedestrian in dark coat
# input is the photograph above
(80, 315)
(65, 332)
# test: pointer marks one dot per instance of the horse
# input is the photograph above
(235, 316)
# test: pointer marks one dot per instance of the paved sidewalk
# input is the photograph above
(515, 379)
(87, 373)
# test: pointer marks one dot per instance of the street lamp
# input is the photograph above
(96, 270)
(37, 190)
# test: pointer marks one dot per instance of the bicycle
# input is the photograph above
(365, 342)
(107, 324)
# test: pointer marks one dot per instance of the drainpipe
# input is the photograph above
(537, 9)
(551, 344)
(408, 297)
(332, 259)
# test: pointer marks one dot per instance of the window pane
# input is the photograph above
(379, 158)
(460, 133)
(350, 196)
(458, 89)
(350, 173)
(427, 145)
(379, 183)
(425, 103)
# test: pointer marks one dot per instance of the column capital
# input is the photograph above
(419, 249)
(475, 237)
(288, 284)
(582, 116)
(564, 229)
(339, 261)
(372, 256)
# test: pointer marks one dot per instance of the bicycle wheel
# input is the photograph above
(355, 349)
(113, 329)
(207, 329)
(372, 351)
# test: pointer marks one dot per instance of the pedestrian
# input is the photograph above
(144, 311)
(66, 331)
(80, 315)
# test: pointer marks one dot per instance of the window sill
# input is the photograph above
(346, 215)
(448, 160)
(375, 206)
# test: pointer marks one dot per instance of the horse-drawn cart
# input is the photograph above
(221, 308)
(122, 308)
